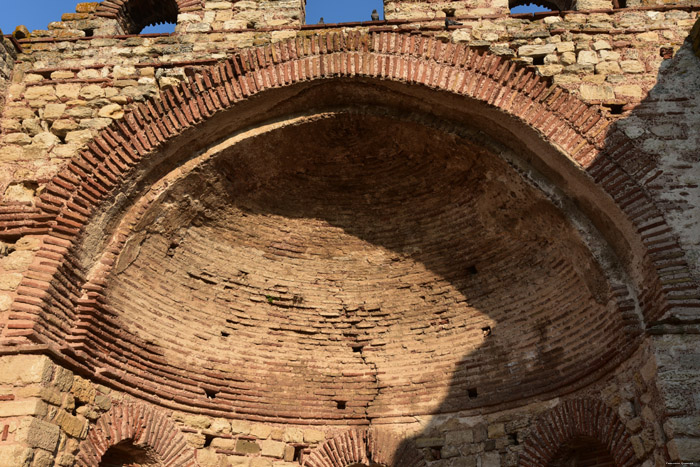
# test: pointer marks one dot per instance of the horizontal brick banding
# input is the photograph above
(140, 425)
(578, 418)
(76, 317)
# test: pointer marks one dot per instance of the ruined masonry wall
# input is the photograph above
(7, 63)
(48, 415)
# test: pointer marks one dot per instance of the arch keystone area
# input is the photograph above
(572, 419)
(145, 427)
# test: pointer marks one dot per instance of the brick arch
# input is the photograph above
(45, 312)
(362, 446)
(142, 425)
(134, 15)
(573, 419)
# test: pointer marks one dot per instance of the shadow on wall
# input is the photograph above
(665, 160)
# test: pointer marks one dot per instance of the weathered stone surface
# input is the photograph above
(272, 448)
(21, 370)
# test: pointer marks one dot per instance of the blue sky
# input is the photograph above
(37, 14)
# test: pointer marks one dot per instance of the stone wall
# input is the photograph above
(7, 63)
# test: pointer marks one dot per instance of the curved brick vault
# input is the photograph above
(154, 160)
(574, 419)
(139, 426)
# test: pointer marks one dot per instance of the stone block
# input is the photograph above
(244, 446)
(224, 443)
(536, 50)
(15, 456)
(38, 434)
(490, 459)
(71, 425)
(260, 462)
(293, 435)
(20, 370)
(272, 448)
(587, 57)
(597, 93)
(22, 408)
(314, 436)
(464, 436)
(632, 66)
(260, 431)
(240, 427)
(429, 442)
(496, 430)
(607, 68)
(10, 281)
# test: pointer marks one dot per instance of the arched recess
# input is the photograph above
(565, 138)
(572, 421)
(365, 447)
(134, 15)
(136, 433)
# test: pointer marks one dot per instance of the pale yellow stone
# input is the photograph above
(92, 91)
(607, 68)
(10, 281)
(632, 66)
(629, 90)
(18, 260)
(22, 408)
(113, 111)
(272, 448)
(314, 436)
(54, 111)
(597, 93)
(260, 431)
(62, 74)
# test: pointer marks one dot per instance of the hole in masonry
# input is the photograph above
(486, 330)
(357, 348)
(449, 12)
(76, 406)
(614, 109)
(666, 53)
(539, 60)
(513, 438)
(471, 270)
(435, 453)
(211, 393)
(225, 333)
(472, 393)
(207, 440)
(341, 405)
(89, 32)
(619, 3)
(298, 452)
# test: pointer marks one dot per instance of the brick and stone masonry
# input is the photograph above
(261, 242)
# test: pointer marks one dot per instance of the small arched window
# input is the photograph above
(126, 454)
(582, 451)
(134, 15)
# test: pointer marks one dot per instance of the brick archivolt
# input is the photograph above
(574, 419)
(148, 138)
(367, 447)
(141, 426)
